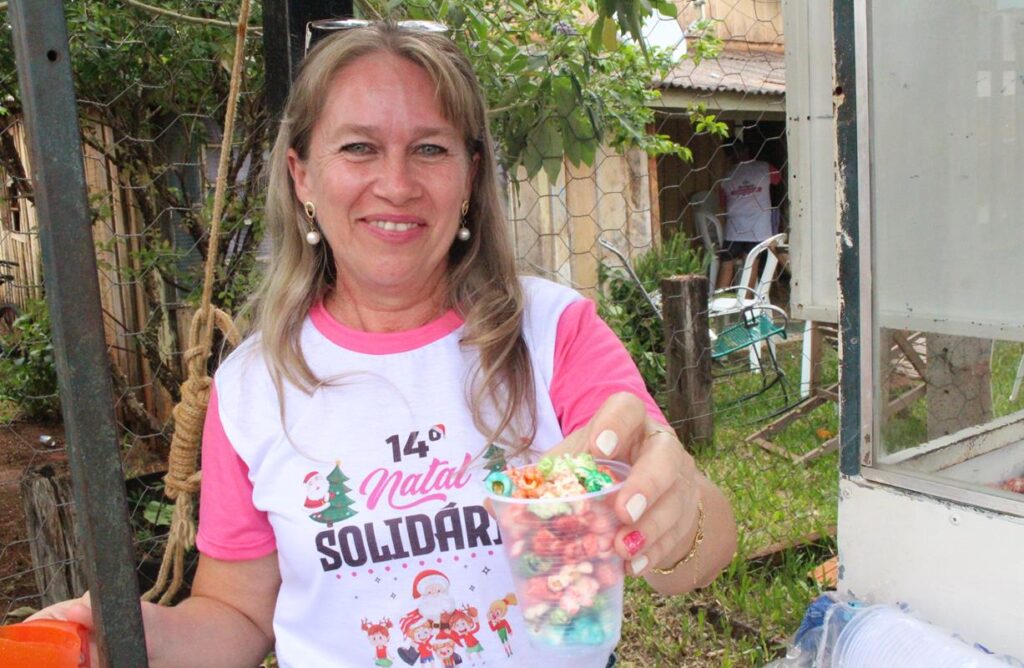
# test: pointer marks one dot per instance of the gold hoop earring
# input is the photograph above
(464, 232)
(313, 235)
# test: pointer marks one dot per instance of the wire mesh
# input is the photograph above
(152, 88)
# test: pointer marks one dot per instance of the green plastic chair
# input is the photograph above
(755, 326)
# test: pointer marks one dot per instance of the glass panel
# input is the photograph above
(947, 102)
(947, 168)
(951, 406)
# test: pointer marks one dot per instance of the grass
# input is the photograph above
(910, 427)
(746, 615)
(9, 411)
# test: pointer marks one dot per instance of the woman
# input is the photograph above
(394, 345)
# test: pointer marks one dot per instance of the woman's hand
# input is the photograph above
(658, 503)
(77, 610)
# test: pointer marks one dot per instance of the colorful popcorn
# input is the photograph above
(558, 527)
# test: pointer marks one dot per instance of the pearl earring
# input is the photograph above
(464, 232)
(313, 235)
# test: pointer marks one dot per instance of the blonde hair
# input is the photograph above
(482, 283)
(501, 605)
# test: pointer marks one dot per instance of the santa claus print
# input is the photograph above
(317, 490)
(430, 591)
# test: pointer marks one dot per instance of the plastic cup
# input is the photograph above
(565, 571)
(44, 644)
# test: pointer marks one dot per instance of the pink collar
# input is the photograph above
(383, 343)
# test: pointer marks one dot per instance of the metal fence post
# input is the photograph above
(80, 351)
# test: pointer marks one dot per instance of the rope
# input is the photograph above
(183, 475)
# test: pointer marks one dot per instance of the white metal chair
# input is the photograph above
(748, 292)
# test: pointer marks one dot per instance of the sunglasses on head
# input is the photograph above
(317, 30)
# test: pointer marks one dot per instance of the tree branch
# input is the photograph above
(182, 17)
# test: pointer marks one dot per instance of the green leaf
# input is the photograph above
(666, 8)
(532, 160)
(609, 38)
(548, 140)
(158, 513)
(565, 95)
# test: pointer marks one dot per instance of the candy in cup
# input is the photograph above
(558, 526)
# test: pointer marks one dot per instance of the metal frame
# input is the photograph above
(859, 415)
(80, 349)
(284, 40)
(851, 429)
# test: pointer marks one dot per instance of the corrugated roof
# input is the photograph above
(740, 71)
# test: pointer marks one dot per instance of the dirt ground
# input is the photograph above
(21, 448)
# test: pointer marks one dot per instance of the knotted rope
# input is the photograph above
(183, 475)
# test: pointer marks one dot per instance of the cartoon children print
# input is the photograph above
(444, 649)
(378, 635)
(461, 626)
(420, 632)
(496, 615)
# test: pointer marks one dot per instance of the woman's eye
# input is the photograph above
(432, 150)
(357, 148)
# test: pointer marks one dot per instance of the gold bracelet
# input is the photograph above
(698, 538)
(656, 431)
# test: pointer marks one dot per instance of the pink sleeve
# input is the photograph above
(591, 364)
(230, 527)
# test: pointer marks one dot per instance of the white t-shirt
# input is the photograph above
(373, 498)
(747, 201)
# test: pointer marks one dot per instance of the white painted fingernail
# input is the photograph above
(606, 442)
(636, 506)
(638, 564)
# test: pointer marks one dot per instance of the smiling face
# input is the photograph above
(388, 174)
(422, 633)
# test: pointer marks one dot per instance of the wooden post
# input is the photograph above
(50, 525)
(688, 358)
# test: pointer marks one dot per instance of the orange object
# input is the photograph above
(827, 574)
(45, 643)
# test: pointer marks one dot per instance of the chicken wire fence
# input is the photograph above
(152, 88)
(609, 220)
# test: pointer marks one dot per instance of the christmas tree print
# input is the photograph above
(340, 504)
(495, 458)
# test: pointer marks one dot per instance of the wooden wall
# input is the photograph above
(19, 245)
(757, 22)
(679, 180)
(117, 232)
(557, 224)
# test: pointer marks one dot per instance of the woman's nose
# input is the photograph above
(397, 180)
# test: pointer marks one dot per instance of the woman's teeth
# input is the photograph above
(389, 226)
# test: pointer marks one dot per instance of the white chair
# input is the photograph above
(747, 292)
(710, 230)
(705, 219)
